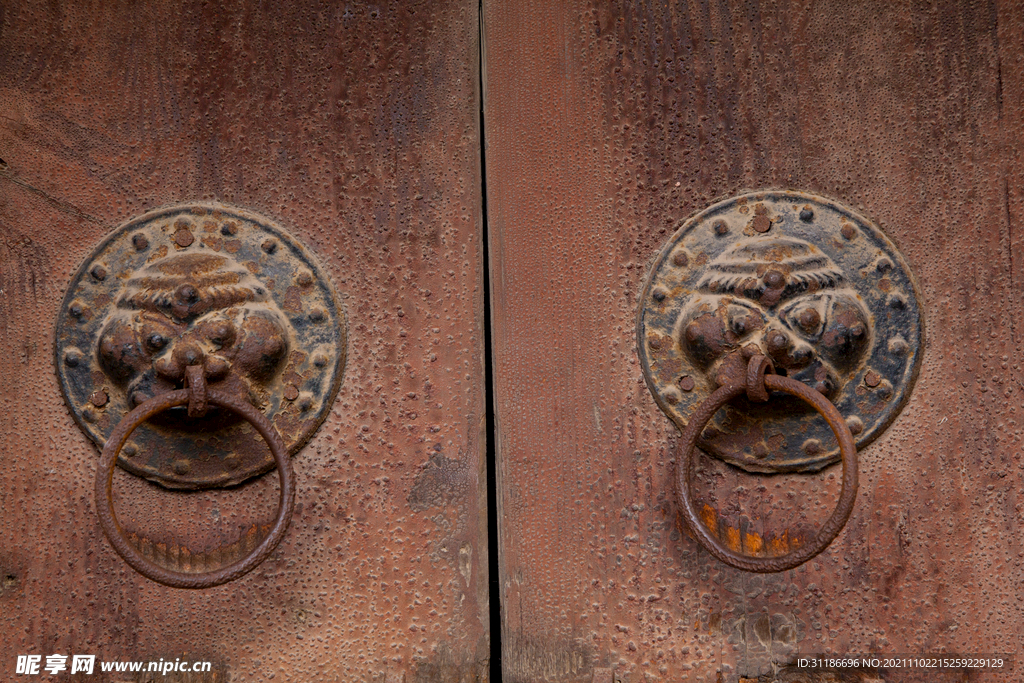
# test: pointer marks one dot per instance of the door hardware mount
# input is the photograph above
(807, 282)
(209, 285)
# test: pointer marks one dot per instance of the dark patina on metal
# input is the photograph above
(807, 282)
(200, 286)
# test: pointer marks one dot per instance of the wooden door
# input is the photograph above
(607, 124)
(355, 126)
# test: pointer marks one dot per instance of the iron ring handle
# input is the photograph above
(105, 503)
(847, 449)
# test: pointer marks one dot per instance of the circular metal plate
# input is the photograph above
(200, 283)
(808, 282)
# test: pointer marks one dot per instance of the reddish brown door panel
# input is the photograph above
(354, 126)
(607, 124)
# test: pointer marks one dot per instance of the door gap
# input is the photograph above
(494, 586)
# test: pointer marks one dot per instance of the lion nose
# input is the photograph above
(778, 343)
(188, 354)
(172, 365)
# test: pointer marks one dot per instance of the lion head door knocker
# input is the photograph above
(784, 296)
(189, 336)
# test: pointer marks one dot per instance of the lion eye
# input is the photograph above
(221, 333)
(809, 319)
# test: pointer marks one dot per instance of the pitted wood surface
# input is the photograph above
(356, 125)
(609, 123)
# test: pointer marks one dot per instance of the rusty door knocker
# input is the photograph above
(197, 401)
(785, 296)
(188, 336)
(756, 385)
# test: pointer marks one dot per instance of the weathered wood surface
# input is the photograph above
(606, 125)
(356, 127)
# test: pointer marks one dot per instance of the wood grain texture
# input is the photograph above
(609, 123)
(356, 127)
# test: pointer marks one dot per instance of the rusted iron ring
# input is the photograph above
(684, 470)
(105, 502)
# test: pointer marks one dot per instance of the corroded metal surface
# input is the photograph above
(804, 280)
(758, 387)
(200, 285)
(131, 552)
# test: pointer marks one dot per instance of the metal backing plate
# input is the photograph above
(804, 279)
(176, 270)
